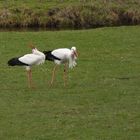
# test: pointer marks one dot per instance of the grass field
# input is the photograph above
(101, 100)
(41, 4)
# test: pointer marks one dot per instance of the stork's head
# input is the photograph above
(74, 51)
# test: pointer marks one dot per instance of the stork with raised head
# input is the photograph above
(28, 60)
(62, 56)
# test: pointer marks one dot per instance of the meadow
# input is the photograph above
(101, 100)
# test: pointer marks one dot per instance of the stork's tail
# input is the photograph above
(15, 62)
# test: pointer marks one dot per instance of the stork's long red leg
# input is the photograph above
(65, 74)
(29, 75)
(53, 74)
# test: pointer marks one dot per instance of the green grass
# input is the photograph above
(52, 3)
(39, 4)
(101, 100)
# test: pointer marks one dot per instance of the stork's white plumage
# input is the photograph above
(28, 60)
(36, 58)
(62, 56)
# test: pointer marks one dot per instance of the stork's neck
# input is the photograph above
(73, 53)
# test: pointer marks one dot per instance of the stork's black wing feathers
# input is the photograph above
(15, 62)
(49, 56)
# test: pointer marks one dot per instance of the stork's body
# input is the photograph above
(62, 56)
(28, 60)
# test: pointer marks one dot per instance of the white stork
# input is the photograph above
(27, 60)
(62, 56)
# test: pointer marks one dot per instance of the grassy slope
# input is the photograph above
(101, 100)
(68, 14)
(45, 4)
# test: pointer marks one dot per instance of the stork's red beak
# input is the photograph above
(75, 53)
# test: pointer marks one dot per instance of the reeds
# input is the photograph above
(87, 15)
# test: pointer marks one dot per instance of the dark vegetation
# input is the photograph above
(69, 14)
